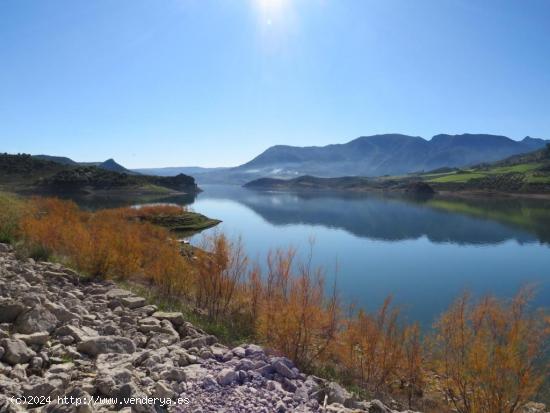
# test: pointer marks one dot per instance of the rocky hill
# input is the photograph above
(62, 337)
(26, 173)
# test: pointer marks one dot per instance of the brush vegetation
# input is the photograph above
(482, 356)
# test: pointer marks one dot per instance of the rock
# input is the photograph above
(533, 407)
(16, 351)
(78, 334)
(108, 382)
(42, 388)
(161, 390)
(174, 374)
(253, 350)
(40, 338)
(239, 352)
(175, 318)
(10, 310)
(195, 372)
(283, 367)
(376, 406)
(61, 313)
(106, 344)
(337, 394)
(118, 293)
(35, 320)
(133, 302)
(226, 376)
(280, 407)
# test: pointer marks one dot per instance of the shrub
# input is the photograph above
(104, 243)
(295, 316)
(11, 210)
(489, 354)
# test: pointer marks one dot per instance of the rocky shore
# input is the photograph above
(68, 345)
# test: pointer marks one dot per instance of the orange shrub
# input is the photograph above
(221, 266)
(372, 347)
(295, 316)
(490, 354)
(105, 243)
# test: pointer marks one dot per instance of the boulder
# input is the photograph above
(174, 317)
(106, 344)
(162, 391)
(283, 366)
(337, 394)
(118, 293)
(226, 376)
(133, 302)
(78, 334)
(376, 406)
(61, 313)
(16, 351)
(10, 310)
(39, 338)
(35, 320)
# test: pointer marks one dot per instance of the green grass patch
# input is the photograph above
(458, 177)
(538, 179)
(11, 210)
(521, 168)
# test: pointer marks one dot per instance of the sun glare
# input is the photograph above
(271, 10)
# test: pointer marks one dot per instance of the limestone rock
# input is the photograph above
(35, 320)
(174, 317)
(106, 344)
(16, 351)
(226, 376)
(10, 309)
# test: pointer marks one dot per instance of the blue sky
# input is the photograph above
(214, 83)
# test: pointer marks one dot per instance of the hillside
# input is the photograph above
(391, 154)
(528, 173)
(109, 164)
(378, 155)
(25, 173)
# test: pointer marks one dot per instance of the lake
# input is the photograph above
(423, 252)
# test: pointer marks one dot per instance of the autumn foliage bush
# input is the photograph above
(487, 356)
(103, 243)
(490, 354)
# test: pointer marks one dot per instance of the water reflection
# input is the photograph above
(458, 221)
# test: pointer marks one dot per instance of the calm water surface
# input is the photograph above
(424, 253)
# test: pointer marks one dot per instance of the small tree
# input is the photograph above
(489, 354)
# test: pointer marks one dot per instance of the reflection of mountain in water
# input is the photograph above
(396, 219)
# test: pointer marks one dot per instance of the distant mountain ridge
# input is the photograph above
(390, 154)
(371, 156)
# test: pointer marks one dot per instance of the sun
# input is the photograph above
(271, 11)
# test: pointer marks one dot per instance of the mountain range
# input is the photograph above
(377, 155)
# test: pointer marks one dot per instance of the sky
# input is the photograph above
(215, 82)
